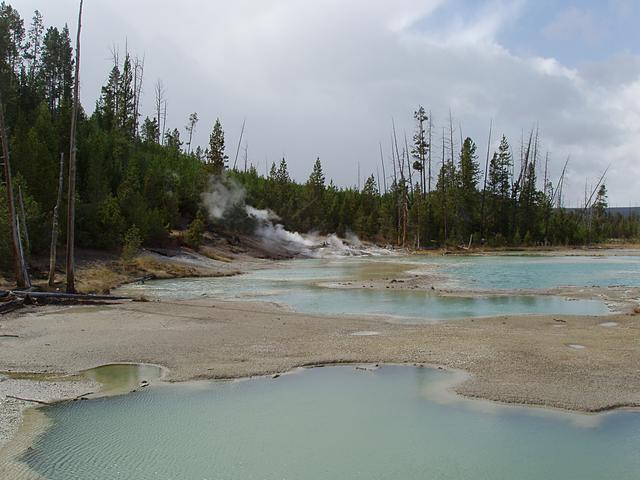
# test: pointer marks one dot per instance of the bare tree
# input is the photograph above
(235, 160)
(406, 147)
(23, 218)
(160, 101)
(164, 121)
(444, 188)
(71, 210)
(486, 171)
(384, 175)
(115, 59)
(246, 155)
(138, 77)
(55, 226)
(403, 206)
(428, 181)
(193, 119)
(22, 277)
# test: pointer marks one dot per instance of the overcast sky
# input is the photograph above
(325, 77)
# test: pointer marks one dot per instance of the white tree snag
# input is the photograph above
(55, 226)
(22, 278)
(71, 210)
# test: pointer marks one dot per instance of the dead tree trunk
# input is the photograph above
(404, 209)
(22, 278)
(138, 69)
(159, 100)
(427, 180)
(384, 175)
(23, 218)
(21, 253)
(235, 160)
(55, 226)
(444, 191)
(484, 187)
(71, 209)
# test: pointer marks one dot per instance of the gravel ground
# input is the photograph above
(11, 409)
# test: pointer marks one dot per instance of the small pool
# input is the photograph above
(326, 423)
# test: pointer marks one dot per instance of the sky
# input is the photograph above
(326, 78)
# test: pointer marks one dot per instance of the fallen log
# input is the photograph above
(82, 397)
(67, 296)
(143, 279)
(11, 305)
(41, 402)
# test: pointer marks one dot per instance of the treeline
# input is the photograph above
(451, 214)
(449, 201)
(131, 177)
(138, 180)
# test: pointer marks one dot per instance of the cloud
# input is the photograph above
(325, 78)
(575, 24)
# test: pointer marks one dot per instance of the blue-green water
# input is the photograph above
(506, 272)
(309, 285)
(329, 423)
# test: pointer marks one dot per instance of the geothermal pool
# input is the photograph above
(312, 285)
(324, 423)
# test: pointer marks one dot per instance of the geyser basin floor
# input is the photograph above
(517, 359)
(325, 423)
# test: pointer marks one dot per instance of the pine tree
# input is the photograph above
(216, 156)
(126, 112)
(600, 204)
(420, 145)
(191, 127)
(150, 130)
(172, 140)
(273, 172)
(11, 46)
(282, 175)
(316, 179)
(469, 173)
(499, 189)
(33, 48)
(314, 210)
(57, 69)
(108, 106)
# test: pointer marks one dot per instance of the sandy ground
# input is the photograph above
(11, 409)
(525, 359)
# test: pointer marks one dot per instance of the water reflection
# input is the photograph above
(120, 378)
(309, 286)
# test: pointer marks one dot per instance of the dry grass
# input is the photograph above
(214, 255)
(146, 265)
(100, 278)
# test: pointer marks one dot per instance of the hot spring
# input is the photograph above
(333, 422)
(477, 285)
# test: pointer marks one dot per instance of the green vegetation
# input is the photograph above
(137, 180)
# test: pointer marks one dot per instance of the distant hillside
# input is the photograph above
(624, 211)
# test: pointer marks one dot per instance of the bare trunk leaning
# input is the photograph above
(22, 278)
(71, 215)
(23, 219)
(55, 226)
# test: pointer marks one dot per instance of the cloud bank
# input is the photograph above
(325, 78)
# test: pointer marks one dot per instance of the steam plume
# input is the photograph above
(226, 197)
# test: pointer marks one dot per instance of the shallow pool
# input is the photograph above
(326, 423)
(306, 285)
